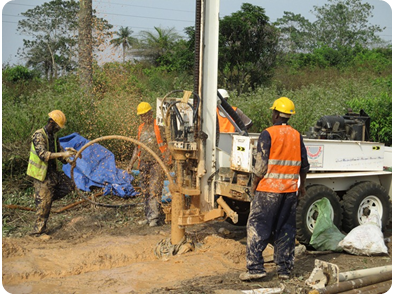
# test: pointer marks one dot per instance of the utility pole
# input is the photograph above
(85, 45)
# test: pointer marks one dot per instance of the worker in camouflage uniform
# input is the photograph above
(49, 183)
(151, 173)
(281, 161)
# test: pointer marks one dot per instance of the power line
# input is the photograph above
(12, 3)
(13, 15)
(160, 8)
(147, 17)
(128, 15)
(9, 21)
(115, 25)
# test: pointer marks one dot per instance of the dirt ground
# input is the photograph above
(92, 249)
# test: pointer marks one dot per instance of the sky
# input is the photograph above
(145, 15)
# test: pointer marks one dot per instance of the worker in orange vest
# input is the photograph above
(225, 125)
(151, 173)
(281, 161)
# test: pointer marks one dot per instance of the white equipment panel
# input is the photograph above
(323, 155)
(332, 155)
(242, 153)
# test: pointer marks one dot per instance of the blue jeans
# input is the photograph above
(272, 214)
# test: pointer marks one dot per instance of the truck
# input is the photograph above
(344, 167)
(213, 171)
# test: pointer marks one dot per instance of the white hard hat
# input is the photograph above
(223, 93)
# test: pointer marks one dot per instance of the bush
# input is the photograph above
(379, 108)
(19, 73)
(314, 101)
(350, 58)
(378, 60)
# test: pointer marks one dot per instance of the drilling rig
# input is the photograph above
(214, 171)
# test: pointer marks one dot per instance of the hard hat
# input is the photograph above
(59, 117)
(284, 105)
(223, 93)
(142, 108)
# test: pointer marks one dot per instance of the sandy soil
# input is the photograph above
(104, 250)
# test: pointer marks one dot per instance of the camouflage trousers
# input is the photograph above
(272, 216)
(55, 186)
(152, 182)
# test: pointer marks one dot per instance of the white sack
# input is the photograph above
(366, 239)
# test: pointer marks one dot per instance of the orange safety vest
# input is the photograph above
(284, 161)
(161, 145)
(224, 123)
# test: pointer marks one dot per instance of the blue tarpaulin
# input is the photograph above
(97, 168)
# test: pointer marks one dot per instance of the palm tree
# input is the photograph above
(157, 44)
(125, 40)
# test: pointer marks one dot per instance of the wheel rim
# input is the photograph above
(365, 207)
(312, 215)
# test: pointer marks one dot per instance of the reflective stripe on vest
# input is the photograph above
(224, 123)
(284, 161)
(161, 145)
(38, 168)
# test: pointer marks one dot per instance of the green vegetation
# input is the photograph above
(120, 87)
(322, 79)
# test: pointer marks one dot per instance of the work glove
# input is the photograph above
(68, 154)
(72, 150)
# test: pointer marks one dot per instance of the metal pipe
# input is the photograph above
(364, 272)
(209, 94)
(357, 283)
(233, 215)
(177, 233)
(371, 289)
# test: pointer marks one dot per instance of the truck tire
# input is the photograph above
(307, 213)
(357, 201)
(242, 209)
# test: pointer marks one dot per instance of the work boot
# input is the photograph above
(37, 234)
(34, 234)
(247, 276)
(37, 231)
(283, 276)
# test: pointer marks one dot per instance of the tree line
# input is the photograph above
(250, 45)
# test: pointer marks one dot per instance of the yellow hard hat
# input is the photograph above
(59, 117)
(142, 108)
(284, 105)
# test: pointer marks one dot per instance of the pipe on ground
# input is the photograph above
(356, 283)
(371, 289)
(364, 272)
